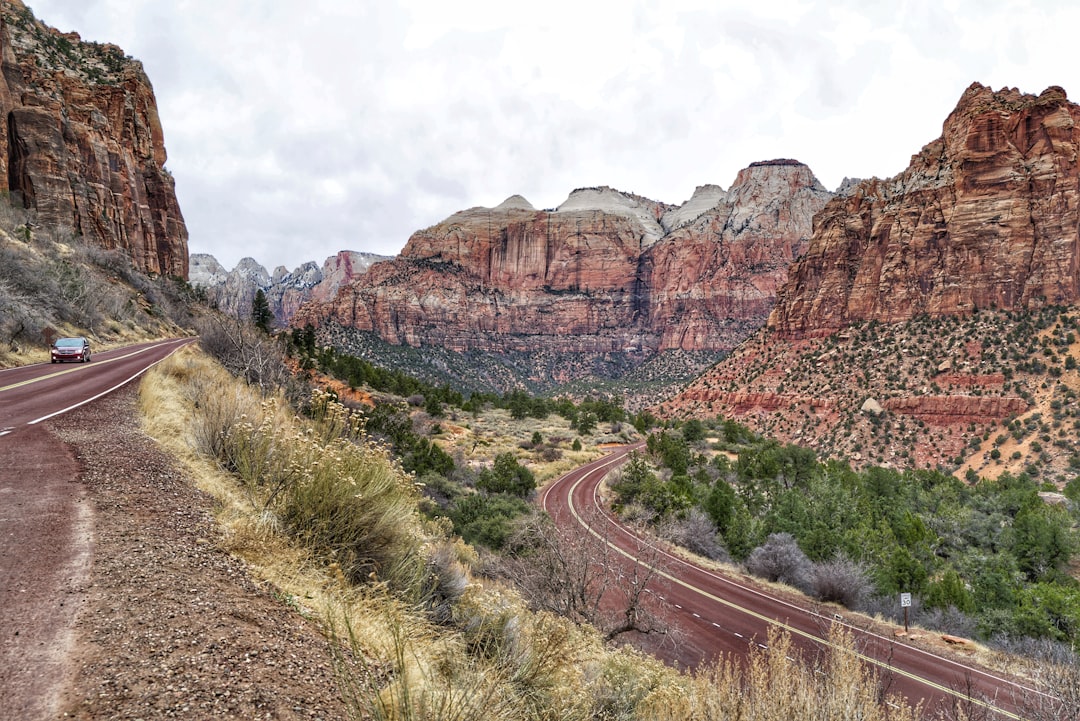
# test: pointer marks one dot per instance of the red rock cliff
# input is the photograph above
(984, 217)
(83, 145)
(605, 272)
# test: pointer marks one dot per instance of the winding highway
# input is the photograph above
(720, 615)
(714, 614)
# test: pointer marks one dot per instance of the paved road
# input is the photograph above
(46, 524)
(34, 393)
(716, 614)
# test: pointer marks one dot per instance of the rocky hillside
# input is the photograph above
(597, 286)
(232, 291)
(932, 319)
(990, 391)
(84, 146)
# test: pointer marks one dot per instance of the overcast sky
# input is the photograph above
(298, 129)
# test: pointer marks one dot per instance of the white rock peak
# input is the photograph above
(705, 198)
(608, 200)
(514, 202)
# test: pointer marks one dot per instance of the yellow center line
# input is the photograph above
(773, 621)
(81, 366)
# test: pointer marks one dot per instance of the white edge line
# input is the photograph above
(103, 393)
(649, 543)
(925, 681)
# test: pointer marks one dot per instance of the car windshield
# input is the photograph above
(69, 343)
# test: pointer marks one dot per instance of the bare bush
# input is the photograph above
(578, 574)
(948, 620)
(1055, 670)
(696, 533)
(842, 581)
(51, 278)
(245, 351)
(780, 559)
(550, 454)
(20, 320)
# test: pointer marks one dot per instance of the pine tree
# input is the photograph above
(260, 312)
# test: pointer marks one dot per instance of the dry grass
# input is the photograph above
(487, 657)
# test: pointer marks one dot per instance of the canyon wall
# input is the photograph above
(83, 145)
(605, 272)
(984, 217)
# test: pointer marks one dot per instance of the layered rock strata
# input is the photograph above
(605, 272)
(83, 145)
(869, 351)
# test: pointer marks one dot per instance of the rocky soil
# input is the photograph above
(169, 625)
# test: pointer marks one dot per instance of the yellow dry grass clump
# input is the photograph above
(412, 632)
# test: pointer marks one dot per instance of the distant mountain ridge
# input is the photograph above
(232, 291)
(599, 285)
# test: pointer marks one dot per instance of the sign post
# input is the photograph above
(905, 603)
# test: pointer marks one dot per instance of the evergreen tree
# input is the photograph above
(260, 312)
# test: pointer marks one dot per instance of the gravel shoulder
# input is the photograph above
(168, 624)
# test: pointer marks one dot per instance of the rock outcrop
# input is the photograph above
(83, 145)
(985, 217)
(606, 272)
(285, 290)
(713, 279)
(926, 312)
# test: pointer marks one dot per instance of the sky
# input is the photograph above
(295, 129)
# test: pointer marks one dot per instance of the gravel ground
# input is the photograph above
(171, 626)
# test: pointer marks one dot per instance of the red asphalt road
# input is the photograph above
(717, 615)
(34, 393)
(46, 527)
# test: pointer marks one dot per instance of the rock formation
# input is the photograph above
(83, 144)
(233, 291)
(713, 278)
(985, 217)
(895, 338)
(605, 273)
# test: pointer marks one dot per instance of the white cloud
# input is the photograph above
(295, 130)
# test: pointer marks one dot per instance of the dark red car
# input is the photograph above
(71, 349)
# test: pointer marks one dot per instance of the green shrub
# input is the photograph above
(507, 476)
(485, 519)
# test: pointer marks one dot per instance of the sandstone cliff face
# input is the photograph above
(713, 280)
(986, 216)
(499, 278)
(83, 145)
(285, 290)
(605, 272)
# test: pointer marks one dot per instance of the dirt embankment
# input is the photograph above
(165, 624)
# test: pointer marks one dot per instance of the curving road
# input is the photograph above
(46, 525)
(719, 615)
